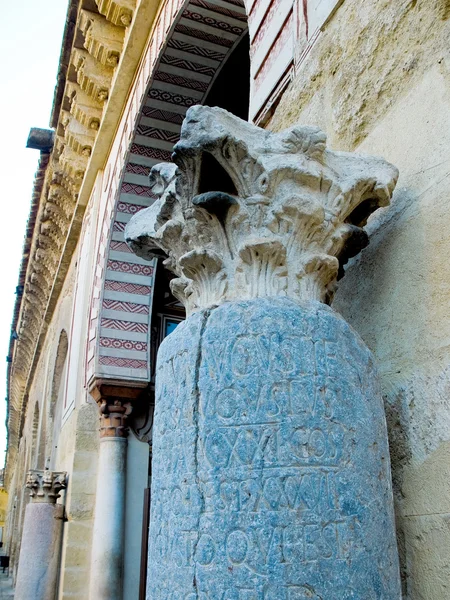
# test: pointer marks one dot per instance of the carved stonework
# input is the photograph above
(103, 40)
(85, 109)
(113, 418)
(119, 12)
(93, 77)
(45, 486)
(284, 221)
(116, 402)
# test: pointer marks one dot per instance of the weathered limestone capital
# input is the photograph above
(45, 486)
(246, 213)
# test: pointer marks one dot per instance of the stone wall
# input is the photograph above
(378, 81)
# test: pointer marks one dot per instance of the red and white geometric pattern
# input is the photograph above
(179, 73)
(131, 307)
(119, 344)
(123, 363)
(128, 288)
(124, 325)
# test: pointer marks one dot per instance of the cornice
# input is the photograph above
(100, 54)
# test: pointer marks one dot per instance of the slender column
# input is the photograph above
(39, 560)
(271, 473)
(106, 580)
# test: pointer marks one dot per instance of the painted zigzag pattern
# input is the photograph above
(192, 84)
(157, 153)
(193, 49)
(128, 288)
(128, 363)
(182, 63)
(119, 246)
(138, 190)
(124, 325)
(131, 307)
(235, 2)
(162, 115)
(137, 169)
(202, 35)
(159, 134)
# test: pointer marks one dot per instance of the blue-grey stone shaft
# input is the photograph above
(271, 474)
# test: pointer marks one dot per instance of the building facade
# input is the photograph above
(90, 314)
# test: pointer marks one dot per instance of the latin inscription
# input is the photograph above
(254, 490)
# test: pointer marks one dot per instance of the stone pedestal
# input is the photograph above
(271, 476)
(39, 560)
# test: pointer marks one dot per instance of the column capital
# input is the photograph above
(116, 403)
(45, 485)
(247, 213)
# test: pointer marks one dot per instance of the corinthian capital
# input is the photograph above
(245, 213)
(46, 485)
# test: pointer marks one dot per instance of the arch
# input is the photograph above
(191, 44)
(58, 369)
(49, 433)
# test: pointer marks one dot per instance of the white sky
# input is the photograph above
(30, 43)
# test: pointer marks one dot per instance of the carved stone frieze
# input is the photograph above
(119, 12)
(85, 109)
(45, 486)
(285, 217)
(93, 77)
(79, 138)
(103, 40)
(74, 165)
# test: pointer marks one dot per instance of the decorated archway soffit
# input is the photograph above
(200, 39)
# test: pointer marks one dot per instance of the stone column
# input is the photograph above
(271, 473)
(39, 559)
(106, 579)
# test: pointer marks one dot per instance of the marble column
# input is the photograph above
(106, 579)
(39, 559)
(271, 473)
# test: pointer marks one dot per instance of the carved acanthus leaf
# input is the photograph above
(46, 486)
(288, 227)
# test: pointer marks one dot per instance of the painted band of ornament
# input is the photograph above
(45, 486)
(284, 219)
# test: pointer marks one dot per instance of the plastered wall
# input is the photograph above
(378, 81)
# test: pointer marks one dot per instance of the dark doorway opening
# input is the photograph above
(231, 88)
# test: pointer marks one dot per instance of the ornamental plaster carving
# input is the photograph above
(287, 218)
(46, 486)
